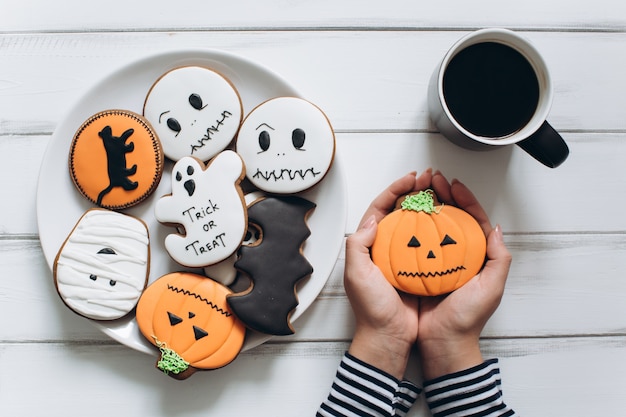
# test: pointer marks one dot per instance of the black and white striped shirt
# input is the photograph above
(360, 390)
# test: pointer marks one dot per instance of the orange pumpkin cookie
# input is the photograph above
(186, 316)
(116, 160)
(426, 250)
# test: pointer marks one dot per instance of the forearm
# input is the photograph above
(385, 353)
(470, 392)
(360, 388)
(445, 357)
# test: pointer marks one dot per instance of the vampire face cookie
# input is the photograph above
(116, 160)
(186, 316)
(195, 111)
(207, 201)
(287, 144)
(102, 268)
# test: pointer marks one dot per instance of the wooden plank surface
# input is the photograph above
(560, 330)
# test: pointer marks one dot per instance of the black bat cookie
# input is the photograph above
(274, 263)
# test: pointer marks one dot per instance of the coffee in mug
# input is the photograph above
(492, 89)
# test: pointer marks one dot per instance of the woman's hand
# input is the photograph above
(450, 325)
(386, 321)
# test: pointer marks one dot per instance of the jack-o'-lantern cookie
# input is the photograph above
(274, 263)
(208, 203)
(195, 111)
(186, 316)
(287, 144)
(116, 160)
(102, 267)
(425, 249)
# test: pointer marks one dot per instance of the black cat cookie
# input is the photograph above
(116, 159)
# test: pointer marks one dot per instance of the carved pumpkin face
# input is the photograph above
(187, 315)
(429, 252)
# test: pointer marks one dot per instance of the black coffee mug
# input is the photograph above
(493, 89)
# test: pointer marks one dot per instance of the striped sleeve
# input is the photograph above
(473, 392)
(360, 389)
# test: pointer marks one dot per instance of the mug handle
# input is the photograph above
(546, 145)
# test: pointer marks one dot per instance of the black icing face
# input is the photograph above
(189, 184)
(175, 320)
(287, 145)
(104, 251)
(195, 101)
(298, 138)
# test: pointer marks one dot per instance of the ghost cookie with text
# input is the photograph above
(208, 204)
(427, 249)
(195, 111)
(287, 145)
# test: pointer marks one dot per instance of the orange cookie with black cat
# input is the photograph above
(116, 159)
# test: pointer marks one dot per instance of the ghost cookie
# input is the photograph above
(274, 264)
(103, 265)
(195, 111)
(116, 160)
(207, 202)
(287, 144)
(186, 316)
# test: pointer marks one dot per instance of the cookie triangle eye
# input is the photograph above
(174, 319)
(447, 240)
(414, 243)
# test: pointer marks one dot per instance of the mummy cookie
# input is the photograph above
(207, 202)
(186, 316)
(195, 111)
(116, 160)
(102, 267)
(274, 263)
(287, 144)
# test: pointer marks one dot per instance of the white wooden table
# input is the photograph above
(560, 331)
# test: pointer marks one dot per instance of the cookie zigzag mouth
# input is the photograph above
(286, 174)
(430, 274)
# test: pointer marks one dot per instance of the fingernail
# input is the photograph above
(498, 232)
(369, 223)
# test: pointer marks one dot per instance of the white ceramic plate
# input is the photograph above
(59, 204)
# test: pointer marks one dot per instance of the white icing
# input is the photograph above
(78, 260)
(212, 213)
(203, 109)
(277, 163)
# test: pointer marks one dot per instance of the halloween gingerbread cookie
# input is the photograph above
(427, 250)
(103, 265)
(116, 160)
(195, 111)
(207, 202)
(287, 144)
(186, 316)
(274, 264)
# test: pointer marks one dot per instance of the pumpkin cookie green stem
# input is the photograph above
(170, 361)
(422, 201)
